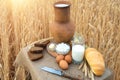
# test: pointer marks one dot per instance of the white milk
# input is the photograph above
(78, 53)
(61, 5)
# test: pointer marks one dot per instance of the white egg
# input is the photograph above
(52, 46)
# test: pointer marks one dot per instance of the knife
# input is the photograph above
(59, 73)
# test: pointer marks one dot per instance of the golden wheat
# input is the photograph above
(26, 21)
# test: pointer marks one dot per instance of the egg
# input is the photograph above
(68, 58)
(52, 46)
(63, 64)
(70, 53)
(59, 58)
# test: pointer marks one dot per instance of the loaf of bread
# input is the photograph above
(95, 60)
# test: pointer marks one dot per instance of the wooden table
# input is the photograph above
(34, 67)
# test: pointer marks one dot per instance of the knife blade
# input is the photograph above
(60, 73)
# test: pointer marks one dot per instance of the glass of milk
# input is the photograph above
(78, 50)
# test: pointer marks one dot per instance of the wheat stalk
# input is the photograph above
(97, 20)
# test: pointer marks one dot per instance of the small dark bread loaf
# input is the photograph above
(43, 44)
(36, 50)
(34, 57)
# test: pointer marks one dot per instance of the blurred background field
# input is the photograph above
(25, 21)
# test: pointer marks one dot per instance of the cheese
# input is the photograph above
(62, 48)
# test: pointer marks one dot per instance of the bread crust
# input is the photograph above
(95, 60)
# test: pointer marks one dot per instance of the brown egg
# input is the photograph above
(59, 58)
(70, 53)
(68, 58)
(63, 64)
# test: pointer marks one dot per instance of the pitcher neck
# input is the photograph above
(62, 11)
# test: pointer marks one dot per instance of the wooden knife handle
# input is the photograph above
(71, 77)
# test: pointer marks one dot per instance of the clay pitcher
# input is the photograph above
(62, 29)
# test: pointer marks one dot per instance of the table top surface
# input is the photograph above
(49, 61)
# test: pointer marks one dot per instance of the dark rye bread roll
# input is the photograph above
(43, 44)
(34, 57)
(36, 50)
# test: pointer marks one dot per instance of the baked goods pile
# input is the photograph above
(36, 51)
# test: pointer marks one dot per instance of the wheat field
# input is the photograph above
(25, 21)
